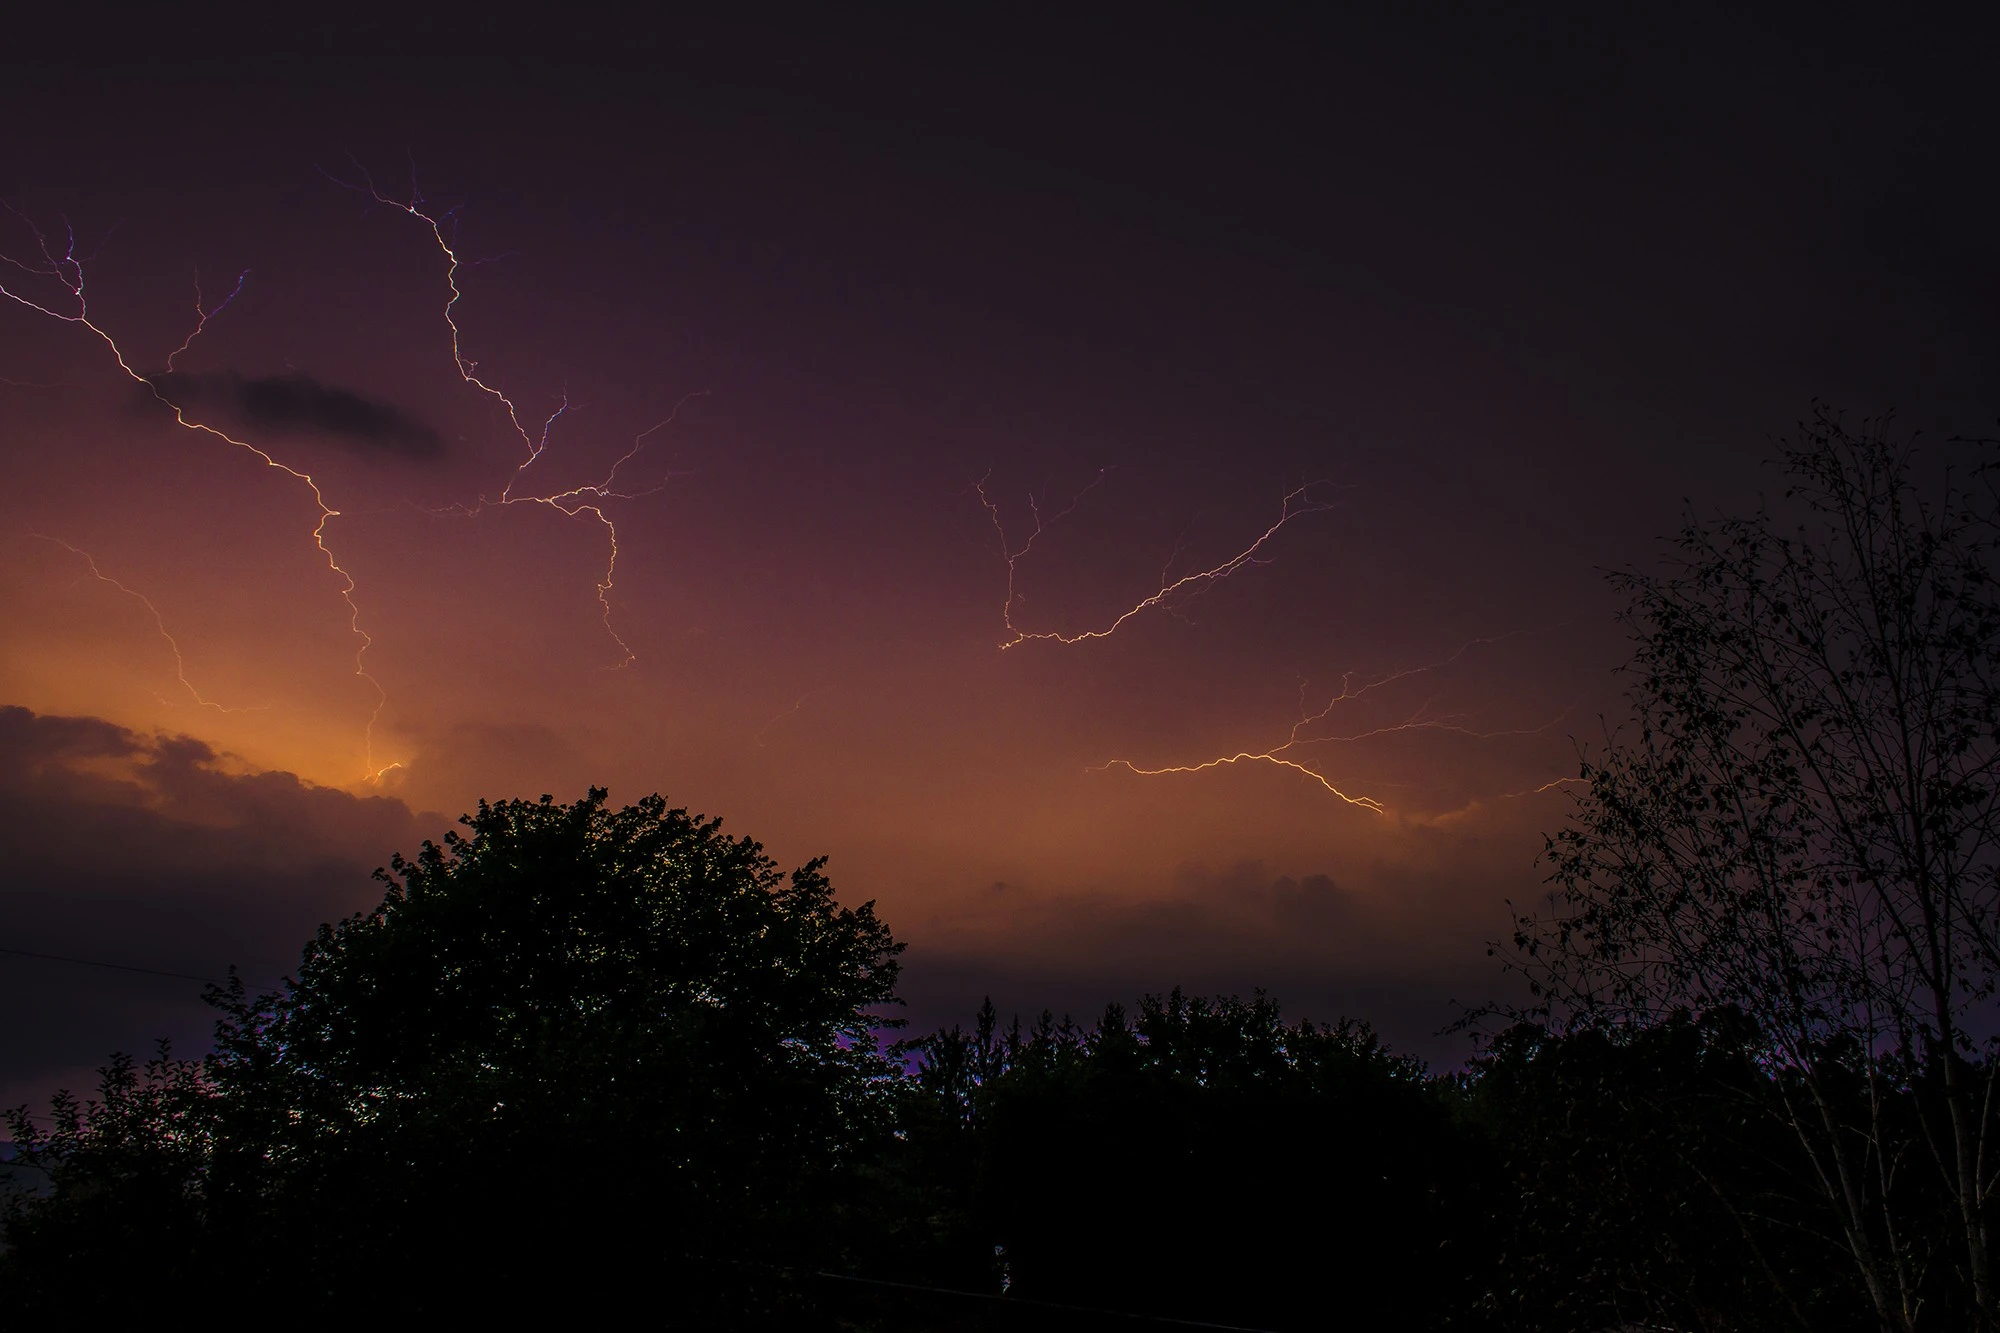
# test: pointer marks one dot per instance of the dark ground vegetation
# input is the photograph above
(680, 1103)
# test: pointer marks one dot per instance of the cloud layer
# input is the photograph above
(158, 852)
(1407, 957)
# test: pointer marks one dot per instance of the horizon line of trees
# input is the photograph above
(583, 1057)
(1194, 1158)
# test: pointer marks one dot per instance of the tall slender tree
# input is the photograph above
(1801, 820)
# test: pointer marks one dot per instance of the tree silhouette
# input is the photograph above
(611, 1044)
(1637, 1177)
(1803, 825)
(123, 1170)
(1201, 1159)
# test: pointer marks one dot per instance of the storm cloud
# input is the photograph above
(158, 852)
(1405, 956)
(296, 403)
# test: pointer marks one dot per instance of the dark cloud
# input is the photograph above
(1205, 916)
(158, 852)
(1400, 958)
(298, 403)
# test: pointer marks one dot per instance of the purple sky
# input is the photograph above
(1505, 296)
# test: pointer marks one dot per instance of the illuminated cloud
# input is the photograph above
(158, 852)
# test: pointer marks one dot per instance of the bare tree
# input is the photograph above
(1801, 820)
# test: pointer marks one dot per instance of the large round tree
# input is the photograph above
(574, 1048)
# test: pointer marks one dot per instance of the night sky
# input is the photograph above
(1493, 302)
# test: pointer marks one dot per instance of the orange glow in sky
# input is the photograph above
(1147, 529)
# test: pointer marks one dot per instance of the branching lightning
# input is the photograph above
(576, 502)
(58, 260)
(203, 315)
(159, 623)
(1313, 728)
(66, 268)
(1171, 594)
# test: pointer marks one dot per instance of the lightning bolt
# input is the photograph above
(577, 502)
(159, 623)
(1311, 729)
(66, 268)
(202, 316)
(1537, 791)
(798, 706)
(1171, 594)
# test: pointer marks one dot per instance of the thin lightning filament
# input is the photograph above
(577, 502)
(66, 268)
(1171, 592)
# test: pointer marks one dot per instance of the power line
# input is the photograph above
(93, 962)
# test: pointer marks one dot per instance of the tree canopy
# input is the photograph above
(1801, 824)
(571, 1035)
(580, 938)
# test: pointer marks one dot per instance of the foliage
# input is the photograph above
(1644, 1183)
(1201, 1160)
(125, 1172)
(575, 1039)
(1802, 825)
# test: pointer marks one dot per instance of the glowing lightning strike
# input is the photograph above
(202, 316)
(1537, 791)
(67, 270)
(798, 706)
(573, 503)
(1168, 596)
(159, 623)
(1304, 733)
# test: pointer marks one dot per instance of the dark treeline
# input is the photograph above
(582, 1057)
(1205, 1160)
(586, 1057)
(1194, 1159)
